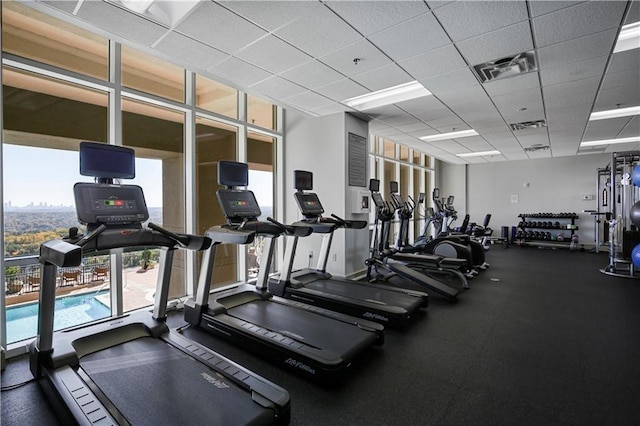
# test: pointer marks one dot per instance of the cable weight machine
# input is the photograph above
(622, 188)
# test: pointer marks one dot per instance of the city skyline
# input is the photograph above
(25, 187)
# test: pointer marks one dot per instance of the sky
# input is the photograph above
(41, 175)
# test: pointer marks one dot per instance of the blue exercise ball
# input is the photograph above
(634, 214)
(635, 175)
(635, 256)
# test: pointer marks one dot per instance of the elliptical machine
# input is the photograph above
(447, 242)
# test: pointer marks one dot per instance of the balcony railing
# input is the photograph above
(23, 277)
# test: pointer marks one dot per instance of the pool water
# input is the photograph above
(22, 321)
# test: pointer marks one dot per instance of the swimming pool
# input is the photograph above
(22, 321)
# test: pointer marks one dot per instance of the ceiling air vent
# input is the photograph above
(506, 67)
(537, 147)
(528, 125)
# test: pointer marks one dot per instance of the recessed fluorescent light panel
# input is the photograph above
(478, 154)
(138, 6)
(390, 95)
(450, 135)
(629, 38)
(611, 141)
(615, 113)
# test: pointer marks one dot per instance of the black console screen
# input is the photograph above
(309, 204)
(374, 185)
(110, 204)
(238, 204)
(233, 173)
(303, 180)
(107, 161)
(393, 187)
(377, 199)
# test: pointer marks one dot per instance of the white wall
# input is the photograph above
(451, 179)
(554, 185)
(319, 145)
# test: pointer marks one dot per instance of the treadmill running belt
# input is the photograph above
(305, 327)
(358, 292)
(154, 383)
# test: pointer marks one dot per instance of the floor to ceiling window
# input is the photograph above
(412, 170)
(59, 91)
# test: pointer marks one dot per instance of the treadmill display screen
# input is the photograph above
(107, 161)
(303, 180)
(309, 204)
(233, 173)
(393, 187)
(110, 204)
(377, 199)
(374, 185)
(238, 204)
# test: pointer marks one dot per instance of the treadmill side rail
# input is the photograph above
(79, 405)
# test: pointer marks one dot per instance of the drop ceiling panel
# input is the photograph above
(64, 5)
(369, 56)
(624, 78)
(329, 109)
(411, 38)
(318, 33)
(531, 99)
(462, 96)
(425, 103)
(580, 115)
(497, 44)
(449, 81)
(239, 71)
(385, 76)
(190, 51)
(575, 71)
(414, 127)
(369, 17)
(438, 61)
(512, 84)
(576, 50)
(312, 74)
(308, 101)
(586, 85)
(272, 14)
(486, 125)
(120, 22)
(467, 19)
(579, 98)
(631, 129)
(278, 88)
(515, 156)
(577, 21)
(624, 61)
(535, 139)
(449, 146)
(273, 54)
(231, 34)
(634, 13)
(474, 109)
(625, 96)
(543, 7)
(605, 129)
(341, 90)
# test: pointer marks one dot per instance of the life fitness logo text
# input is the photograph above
(215, 382)
(302, 366)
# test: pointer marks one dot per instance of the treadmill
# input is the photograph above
(387, 305)
(317, 343)
(384, 257)
(133, 369)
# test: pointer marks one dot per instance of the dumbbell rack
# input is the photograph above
(537, 229)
